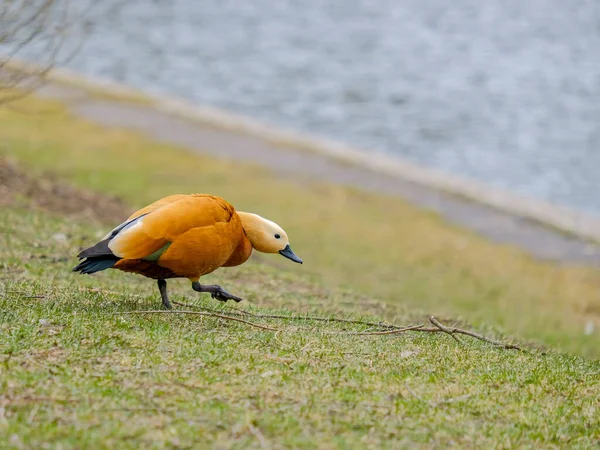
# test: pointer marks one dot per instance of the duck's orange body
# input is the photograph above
(202, 232)
(185, 236)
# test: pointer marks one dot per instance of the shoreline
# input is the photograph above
(566, 220)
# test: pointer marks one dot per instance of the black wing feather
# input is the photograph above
(100, 249)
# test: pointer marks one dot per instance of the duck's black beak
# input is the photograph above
(289, 254)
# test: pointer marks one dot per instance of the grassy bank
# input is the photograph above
(379, 246)
(74, 372)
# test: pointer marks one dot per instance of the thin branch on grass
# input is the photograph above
(445, 329)
(478, 336)
(439, 327)
(241, 312)
(160, 410)
(198, 313)
(378, 333)
(414, 394)
(389, 328)
(32, 414)
(259, 436)
(451, 400)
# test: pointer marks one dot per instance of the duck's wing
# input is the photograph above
(142, 212)
(148, 235)
(157, 204)
(102, 248)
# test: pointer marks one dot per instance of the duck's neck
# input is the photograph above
(254, 226)
(250, 221)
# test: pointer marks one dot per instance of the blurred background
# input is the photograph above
(504, 91)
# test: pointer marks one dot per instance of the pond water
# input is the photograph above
(505, 91)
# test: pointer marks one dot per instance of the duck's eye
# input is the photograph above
(277, 236)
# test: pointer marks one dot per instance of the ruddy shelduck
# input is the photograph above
(185, 236)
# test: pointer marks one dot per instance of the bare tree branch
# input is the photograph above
(47, 32)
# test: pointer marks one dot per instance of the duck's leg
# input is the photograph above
(162, 287)
(216, 291)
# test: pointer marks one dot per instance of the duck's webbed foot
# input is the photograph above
(216, 292)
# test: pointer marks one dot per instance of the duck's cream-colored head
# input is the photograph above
(266, 236)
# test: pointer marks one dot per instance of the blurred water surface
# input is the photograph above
(505, 91)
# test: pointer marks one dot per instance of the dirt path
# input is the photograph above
(539, 241)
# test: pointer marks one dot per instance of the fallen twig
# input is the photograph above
(451, 400)
(305, 318)
(478, 336)
(445, 329)
(389, 328)
(378, 333)
(259, 436)
(439, 327)
(198, 313)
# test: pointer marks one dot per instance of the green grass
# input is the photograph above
(73, 374)
(380, 246)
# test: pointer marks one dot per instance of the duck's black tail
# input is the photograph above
(96, 264)
(97, 258)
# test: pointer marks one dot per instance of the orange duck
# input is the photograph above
(185, 236)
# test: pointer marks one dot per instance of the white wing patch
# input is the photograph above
(116, 230)
(121, 232)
